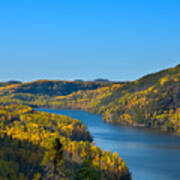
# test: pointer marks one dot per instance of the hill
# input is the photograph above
(49, 88)
(38, 145)
(151, 101)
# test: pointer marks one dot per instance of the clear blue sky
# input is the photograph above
(87, 39)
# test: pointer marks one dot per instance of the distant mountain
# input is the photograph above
(79, 80)
(9, 83)
(50, 87)
(102, 80)
(13, 82)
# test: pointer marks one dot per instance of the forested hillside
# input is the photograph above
(35, 144)
(47, 87)
(38, 145)
(151, 101)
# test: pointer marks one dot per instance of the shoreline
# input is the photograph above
(136, 126)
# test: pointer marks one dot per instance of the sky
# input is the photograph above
(87, 39)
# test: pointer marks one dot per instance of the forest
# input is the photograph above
(38, 145)
(152, 101)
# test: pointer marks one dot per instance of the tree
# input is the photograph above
(58, 154)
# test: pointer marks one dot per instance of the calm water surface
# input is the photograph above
(149, 155)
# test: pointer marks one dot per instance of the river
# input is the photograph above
(149, 155)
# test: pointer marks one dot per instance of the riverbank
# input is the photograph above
(149, 155)
(146, 127)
